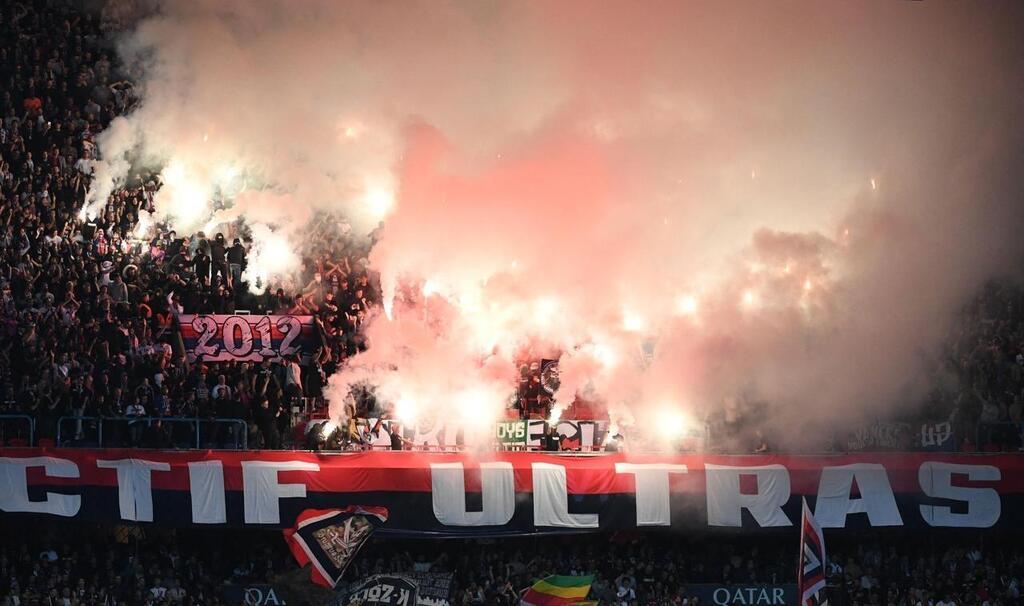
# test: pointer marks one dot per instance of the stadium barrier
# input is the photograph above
(15, 429)
(90, 431)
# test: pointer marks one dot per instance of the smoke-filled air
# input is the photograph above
(695, 205)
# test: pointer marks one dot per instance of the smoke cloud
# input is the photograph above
(690, 202)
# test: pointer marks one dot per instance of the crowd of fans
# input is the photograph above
(86, 329)
(72, 565)
(87, 305)
(975, 402)
(985, 352)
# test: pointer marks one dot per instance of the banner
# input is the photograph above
(881, 436)
(782, 594)
(404, 589)
(221, 338)
(511, 433)
(938, 436)
(573, 435)
(515, 493)
(254, 594)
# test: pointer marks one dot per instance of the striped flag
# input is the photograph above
(558, 590)
(810, 574)
(330, 539)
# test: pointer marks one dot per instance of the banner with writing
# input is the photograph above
(253, 594)
(511, 433)
(459, 494)
(881, 436)
(743, 595)
(938, 436)
(221, 338)
(585, 435)
(404, 589)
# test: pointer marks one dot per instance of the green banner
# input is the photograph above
(512, 433)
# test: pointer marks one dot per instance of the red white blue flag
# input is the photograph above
(330, 538)
(811, 572)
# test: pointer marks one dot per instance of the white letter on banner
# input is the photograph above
(725, 503)
(551, 499)
(983, 504)
(261, 491)
(652, 500)
(206, 489)
(876, 498)
(448, 491)
(535, 429)
(134, 486)
(14, 486)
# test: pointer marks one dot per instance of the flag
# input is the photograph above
(810, 575)
(549, 376)
(558, 591)
(330, 539)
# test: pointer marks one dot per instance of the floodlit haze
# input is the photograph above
(786, 201)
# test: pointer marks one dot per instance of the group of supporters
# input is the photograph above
(975, 402)
(75, 565)
(87, 304)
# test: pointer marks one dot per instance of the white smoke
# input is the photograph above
(786, 201)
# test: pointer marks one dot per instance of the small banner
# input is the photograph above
(404, 589)
(881, 436)
(331, 538)
(511, 433)
(222, 338)
(743, 594)
(938, 436)
(254, 594)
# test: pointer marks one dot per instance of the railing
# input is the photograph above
(305, 409)
(199, 432)
(27, 433)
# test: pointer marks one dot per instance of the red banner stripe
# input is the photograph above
(410, 471)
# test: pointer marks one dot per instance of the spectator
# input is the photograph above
(266, 422)
(135, 411)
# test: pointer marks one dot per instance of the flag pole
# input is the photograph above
(800, 554)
